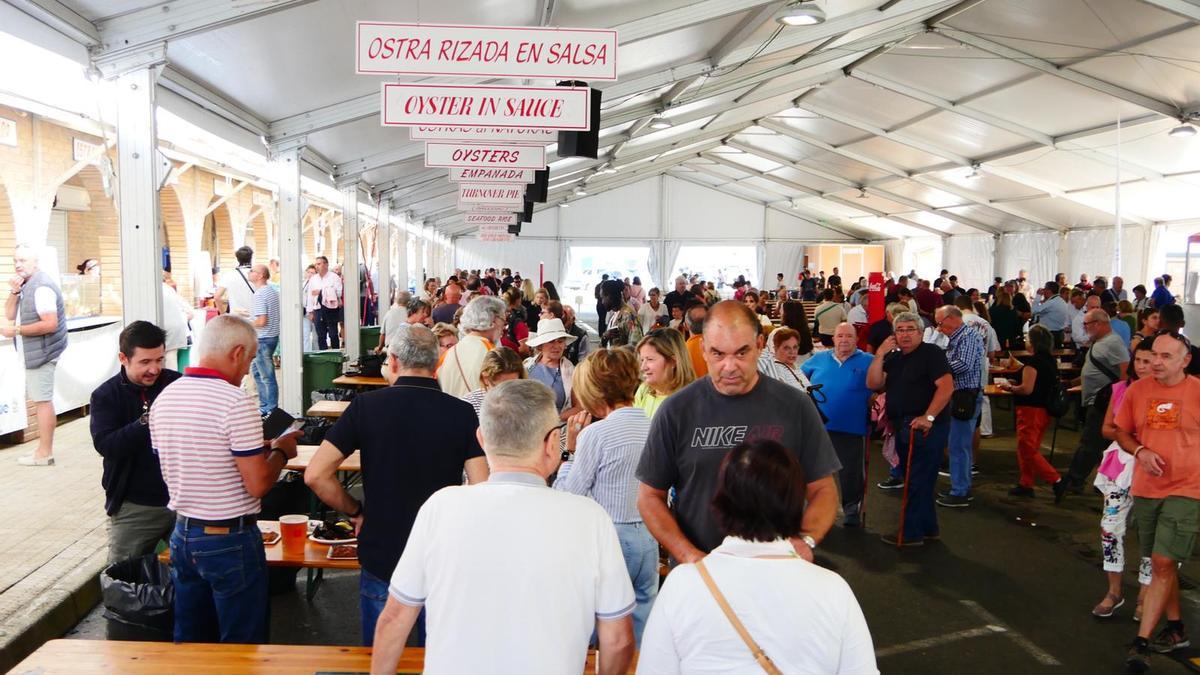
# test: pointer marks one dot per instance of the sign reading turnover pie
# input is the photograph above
(488, 134)
(469, 193)
(481, 105)
(460, 155)
(490, 236)
(485, 175)
(486, 51)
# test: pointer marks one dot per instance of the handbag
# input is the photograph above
(760, 657)
(962, 403)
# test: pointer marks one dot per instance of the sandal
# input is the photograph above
(1101, 611)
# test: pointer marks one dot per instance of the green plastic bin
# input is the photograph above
(368, 337)
(185, 357)
(319, 370)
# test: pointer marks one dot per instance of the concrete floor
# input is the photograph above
(1009, 588)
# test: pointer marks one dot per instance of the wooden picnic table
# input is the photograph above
(304, 455)
(312, 556)
(330, 409)
(1059, 353)
(152, 658)
(359, 381)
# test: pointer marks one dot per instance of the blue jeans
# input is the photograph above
(310, 335)
(640, 550)
(264, 375)
(962, 435)
(373, 595)
(920, 516)
(220, 584)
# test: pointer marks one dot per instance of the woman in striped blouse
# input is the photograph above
(603, 456)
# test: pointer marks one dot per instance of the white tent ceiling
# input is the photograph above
(891, 119)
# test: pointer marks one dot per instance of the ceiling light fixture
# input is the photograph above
(606, 170)
(862, 193)
(580, 191)
(1184, 130)
(974, 173)
(801, 14)
(658, 122)
(565, 205)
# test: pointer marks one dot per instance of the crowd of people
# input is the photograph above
(728, 436)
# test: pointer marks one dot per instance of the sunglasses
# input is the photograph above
(1176, 335)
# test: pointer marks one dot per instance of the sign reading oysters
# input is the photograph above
(486, 51)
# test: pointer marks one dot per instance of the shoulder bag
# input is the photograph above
(760, 657)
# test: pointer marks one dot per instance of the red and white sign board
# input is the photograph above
(475, 175)
(493, 229)
(490, 219)
(495, 237)
(497, 195)
(482, 105)
(465, 155)
(483, 134)
(486, 51)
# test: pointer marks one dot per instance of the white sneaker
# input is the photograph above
(31, 460)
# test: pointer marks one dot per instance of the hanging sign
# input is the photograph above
(495, 237)
(462, 155)
(489, 219)
(8, 132)
(492, 175)
(500, 195)
(484, 134)
(486, 51)
(82, 150)
(493, 229)
(481, 105)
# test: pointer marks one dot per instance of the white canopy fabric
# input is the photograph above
(992, 123)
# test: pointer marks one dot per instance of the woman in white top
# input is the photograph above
(803, 617)
(499, 365)
(784, 364)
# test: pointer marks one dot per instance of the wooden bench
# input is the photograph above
(359, 381)
(330, 409)
(153, 658)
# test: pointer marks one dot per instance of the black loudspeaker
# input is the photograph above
(525, 215)
(539, 189)
(582, 143)
(515, 230)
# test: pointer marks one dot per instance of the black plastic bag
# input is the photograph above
(138, 593)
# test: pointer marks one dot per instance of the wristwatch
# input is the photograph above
(930, 418)
(809, 541)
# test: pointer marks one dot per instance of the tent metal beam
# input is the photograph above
(896, 136)
(1188, 9)
(176, 82)
(992, 120)
(61, 18)
(722, 189)
(1161, 107)
(934, 183)
(176, 19)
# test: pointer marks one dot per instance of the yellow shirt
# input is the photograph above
(647, 400)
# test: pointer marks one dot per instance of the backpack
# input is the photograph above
(1060, 401)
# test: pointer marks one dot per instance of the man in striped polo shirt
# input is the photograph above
(264, 312)
(216, 465)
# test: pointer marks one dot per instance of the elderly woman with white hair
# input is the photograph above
(549, 365)
(482, 324)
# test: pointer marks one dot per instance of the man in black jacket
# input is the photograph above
(135, 494)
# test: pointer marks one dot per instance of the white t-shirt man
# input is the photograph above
(502, 596)
(239, 293)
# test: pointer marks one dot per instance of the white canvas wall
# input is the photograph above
(695, 212)
(971, 258)
(521, 255)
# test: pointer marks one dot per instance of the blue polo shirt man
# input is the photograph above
(842, 374)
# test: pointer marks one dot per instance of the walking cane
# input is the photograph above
(862, 505)
(912, 433)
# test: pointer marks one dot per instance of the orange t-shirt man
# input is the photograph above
(696, 351)
(1167, 421)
